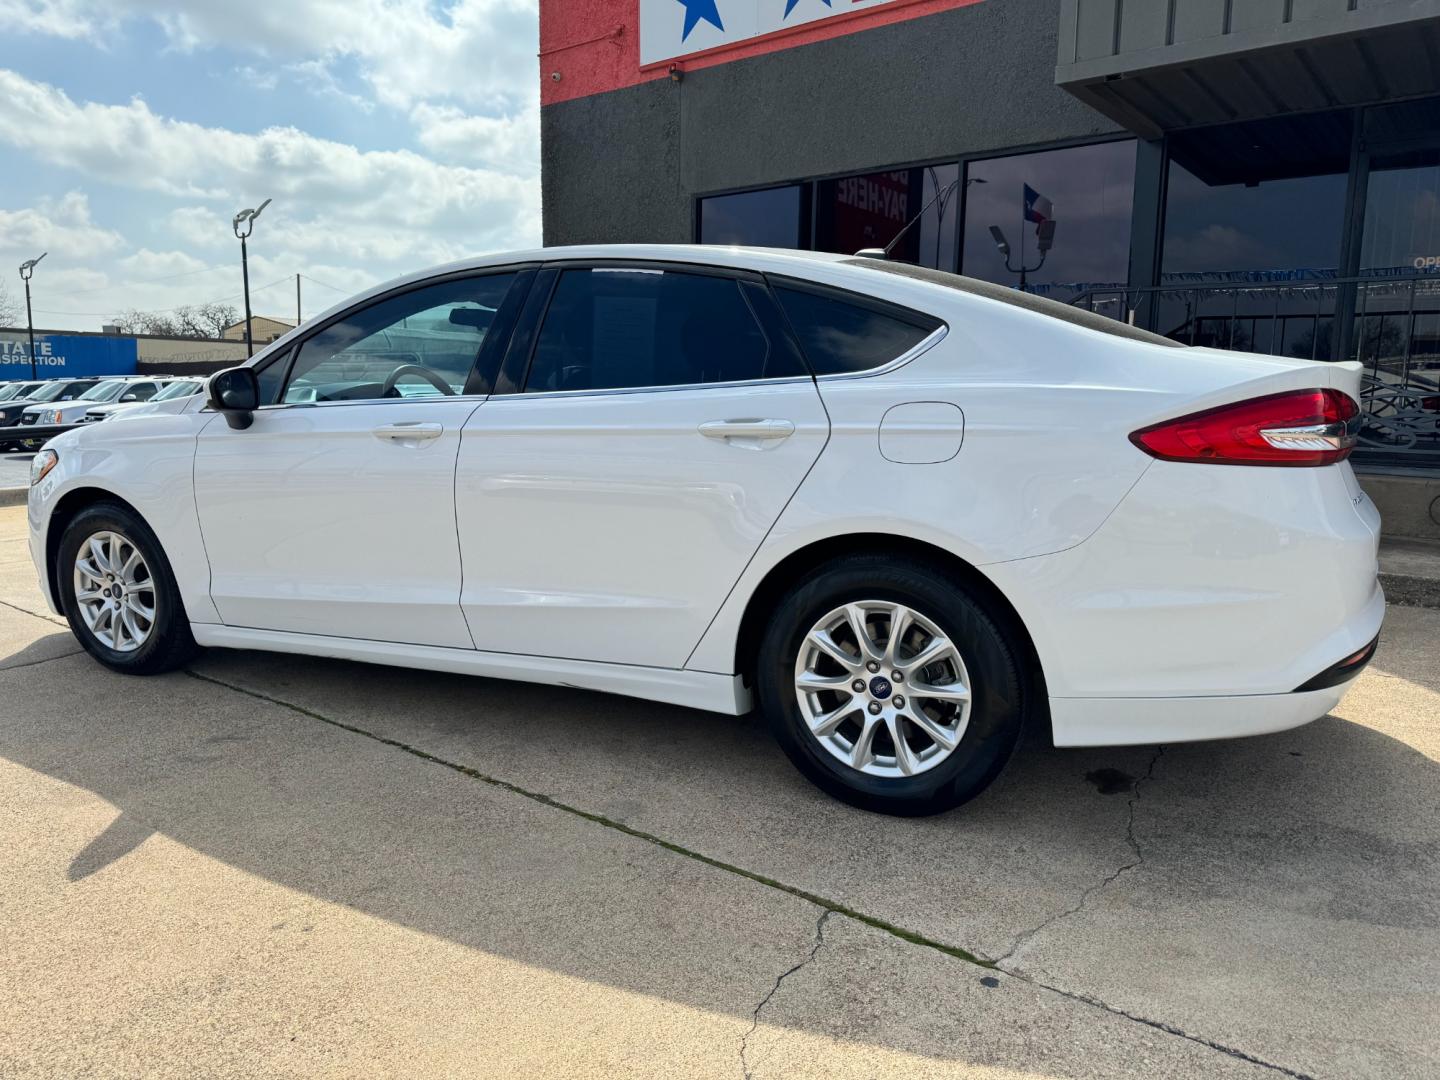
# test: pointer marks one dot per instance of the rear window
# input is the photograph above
(1029, 301)
(840, 336)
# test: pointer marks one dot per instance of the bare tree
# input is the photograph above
(9, 309)
(199, 320)
(213, 318)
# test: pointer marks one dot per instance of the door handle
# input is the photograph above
(409, 432)
(751, 433)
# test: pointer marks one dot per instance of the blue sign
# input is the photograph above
(66, 355)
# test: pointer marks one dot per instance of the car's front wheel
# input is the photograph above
(119, 593)
(892, 685)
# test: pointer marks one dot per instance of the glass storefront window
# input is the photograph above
(1260, 202)
(770, 218)
(1086, 191)
(938, 233)
(1402, 214)
(1253, 199)
(913, 208)
(869, 211)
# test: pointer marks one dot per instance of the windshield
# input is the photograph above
(16, 391)
(105, 391)
(50, 391)
(183, 388)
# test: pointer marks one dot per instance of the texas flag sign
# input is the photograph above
(1038, 208)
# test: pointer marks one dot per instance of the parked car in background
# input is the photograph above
(50, 391)
(171, 388)
(130, 389)
(14, 391)
(907, 514)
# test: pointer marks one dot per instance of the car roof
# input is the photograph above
(869, 276)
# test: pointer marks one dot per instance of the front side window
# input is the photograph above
(613, 328)
(839, 337)
(421, 343)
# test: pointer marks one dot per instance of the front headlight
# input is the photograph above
(41, 464)
(47, 416)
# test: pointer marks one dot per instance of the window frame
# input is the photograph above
(519, 359)
(479, 384)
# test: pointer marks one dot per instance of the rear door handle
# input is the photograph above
(748, 432)
(409, 433)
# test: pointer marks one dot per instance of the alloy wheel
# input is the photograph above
(882, 689)
(114, 591)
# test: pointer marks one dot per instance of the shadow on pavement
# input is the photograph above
(1333, 822)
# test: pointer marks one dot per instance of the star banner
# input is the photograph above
(673, 28)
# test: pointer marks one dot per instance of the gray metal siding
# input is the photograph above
(1116, 28)
(1185, 63)
(625, 165)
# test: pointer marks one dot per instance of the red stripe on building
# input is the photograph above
(592, 46)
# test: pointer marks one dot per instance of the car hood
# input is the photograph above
(136, 409)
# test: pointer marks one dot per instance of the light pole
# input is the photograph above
(27, 270)
(1045, 237)
(247, 219)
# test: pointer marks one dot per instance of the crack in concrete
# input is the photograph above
(35, 614)
(1025, 936)
(755, 1020)
(830, 907)
(1160, 1025)
(45, 660)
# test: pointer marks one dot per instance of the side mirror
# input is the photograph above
(129, 397)
(235, 393)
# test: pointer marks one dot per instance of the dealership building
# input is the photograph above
(1252, 174)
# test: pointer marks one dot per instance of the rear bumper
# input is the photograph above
(1147, 721)
(1207, 582)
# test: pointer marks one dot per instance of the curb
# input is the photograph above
(1404, 590)
(14, 496)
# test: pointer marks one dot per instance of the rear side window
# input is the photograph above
(839, 337)
(620, 327)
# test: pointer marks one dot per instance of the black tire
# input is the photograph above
(1000, 682)
(169, 644)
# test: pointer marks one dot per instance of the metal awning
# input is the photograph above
(1165, 65)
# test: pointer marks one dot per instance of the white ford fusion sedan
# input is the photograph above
(904, 513)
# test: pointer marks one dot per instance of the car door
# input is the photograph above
(647, 434)
(334, 512)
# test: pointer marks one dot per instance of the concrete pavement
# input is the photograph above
(14, 478)
(291, 866)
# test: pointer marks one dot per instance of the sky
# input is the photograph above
(392, 135)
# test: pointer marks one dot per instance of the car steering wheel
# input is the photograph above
(432, 377)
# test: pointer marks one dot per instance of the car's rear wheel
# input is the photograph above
(892, 685)
(119, 593)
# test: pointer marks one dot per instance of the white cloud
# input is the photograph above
(506, 142)
(462, 72)
(160, 264)
(327, 194)
(476, 51)
(56, 18)
(60, 226)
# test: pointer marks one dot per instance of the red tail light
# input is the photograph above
(1298, 427)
